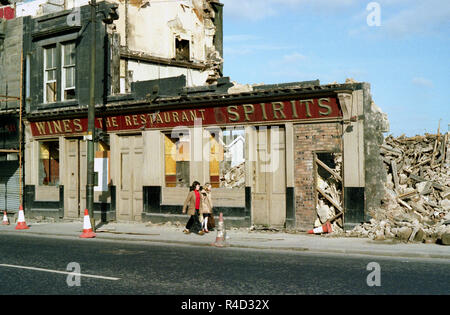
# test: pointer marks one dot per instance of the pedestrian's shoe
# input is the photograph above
(201, 233)
(206, 231)
(186, 231)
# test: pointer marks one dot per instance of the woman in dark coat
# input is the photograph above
(193, 205)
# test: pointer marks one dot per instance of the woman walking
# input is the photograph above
(206, 206)
(193, 204)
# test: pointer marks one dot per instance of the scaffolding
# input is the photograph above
(6, 98)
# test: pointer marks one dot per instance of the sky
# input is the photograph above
(400, 47)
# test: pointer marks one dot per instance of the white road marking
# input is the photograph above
(62, 272)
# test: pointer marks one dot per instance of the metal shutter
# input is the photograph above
(9, 186)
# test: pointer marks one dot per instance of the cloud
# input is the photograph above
(255, 10)
(240, 38)
(403, 18)
(253, 49)
(423, 17)
(293, 58)
(422, 82)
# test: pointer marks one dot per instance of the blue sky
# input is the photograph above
(406, 59)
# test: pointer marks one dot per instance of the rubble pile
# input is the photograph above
(416, 204)
(233, 177)
(329, 186)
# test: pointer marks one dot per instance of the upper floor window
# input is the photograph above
(59, 72)
(50, 74)
(68, 71)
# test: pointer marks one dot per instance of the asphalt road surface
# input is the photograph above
(40, 265)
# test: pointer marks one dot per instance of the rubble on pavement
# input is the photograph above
(416, 204)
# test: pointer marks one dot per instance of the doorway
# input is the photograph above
(269, 178)
(75, 178)
(130, 193)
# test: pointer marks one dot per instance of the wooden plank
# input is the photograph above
(336, 216)
(329, 169)
(407, 195)
(404, 204)
(395, 175)
(333, 202)
(420, 179)
(9, 151)
(436, 144)
(421, 163)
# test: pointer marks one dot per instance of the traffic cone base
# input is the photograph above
(88, 234)
(325, 228)
(220, 238)
(87, 227)
(21, 225)
(5, 219)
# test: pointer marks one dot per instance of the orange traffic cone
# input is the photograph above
(325, 228)
(5, 219)
(221, 233)
(87, 227)
(21, 225)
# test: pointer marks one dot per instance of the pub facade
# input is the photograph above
(257, 148)
(261, 147)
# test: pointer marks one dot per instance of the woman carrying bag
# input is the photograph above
(193, 204)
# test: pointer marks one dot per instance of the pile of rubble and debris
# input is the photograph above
(329, 186)
(416, 204)
(233, 177)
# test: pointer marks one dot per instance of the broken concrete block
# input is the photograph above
(445, 239)
(404, 233)
(424, 188)
(445, 204)
(323, 211)
(403, 178)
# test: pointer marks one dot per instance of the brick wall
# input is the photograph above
(310, 138)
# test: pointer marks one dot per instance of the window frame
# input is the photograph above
(224, 137)
(64, 69)
(60, 69)
(177, 156)
(53, 48)
(50, 183)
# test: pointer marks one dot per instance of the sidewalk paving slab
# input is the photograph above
(239, 238)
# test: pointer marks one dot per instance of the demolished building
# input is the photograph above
(166, 116)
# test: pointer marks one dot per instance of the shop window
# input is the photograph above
(177, 158)
(49, 163)
(227, 158)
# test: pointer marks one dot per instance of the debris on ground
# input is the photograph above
(416, 204)
(329, 187)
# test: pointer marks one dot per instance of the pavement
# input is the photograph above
(237, 238)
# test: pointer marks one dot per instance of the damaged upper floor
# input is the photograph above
(153, 39)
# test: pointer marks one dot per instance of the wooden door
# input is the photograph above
(130, 194)
(269, 178)
(75, 178)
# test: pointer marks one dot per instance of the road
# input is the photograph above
(30, 265)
